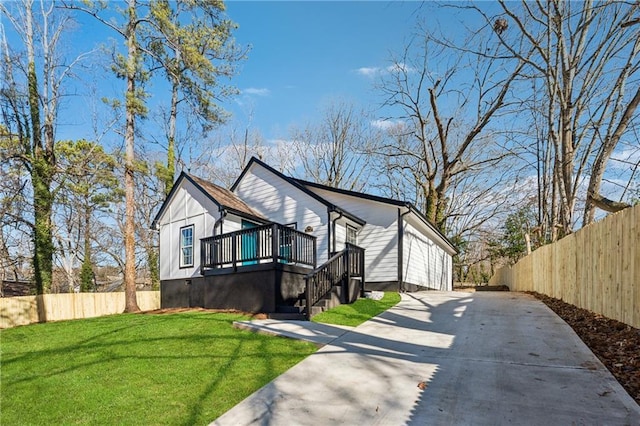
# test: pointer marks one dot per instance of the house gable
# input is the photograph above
(295, 184)
(223, 199)
(333, 194)
(195, 203)
(414, 252)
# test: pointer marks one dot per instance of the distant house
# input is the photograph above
(250, 248)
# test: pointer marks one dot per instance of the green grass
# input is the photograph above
(358, 312)
(175, 369)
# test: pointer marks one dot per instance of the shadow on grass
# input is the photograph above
(356, 313)
(191, 367)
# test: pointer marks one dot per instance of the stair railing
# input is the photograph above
(338, 270)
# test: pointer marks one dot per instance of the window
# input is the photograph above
(186, 246)
(352, 235)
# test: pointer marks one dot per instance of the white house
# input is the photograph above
(403, 250)
(251, 247)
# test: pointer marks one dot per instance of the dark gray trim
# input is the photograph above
(255, 288)
(430, 225)
(353, 193)
(401, 283)
(219, 221)
(383, 200)
(333, 229)
(184, 175)
(328, 233)
(299, 186)
(174, 188)
(393, 286)
(193, 247)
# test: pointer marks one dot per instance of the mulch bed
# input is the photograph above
(616, 344)
(224, 311)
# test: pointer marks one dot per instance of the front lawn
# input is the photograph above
(177, 369)
(358, 312)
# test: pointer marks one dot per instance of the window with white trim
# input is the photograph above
(352, 235)
(186, 246)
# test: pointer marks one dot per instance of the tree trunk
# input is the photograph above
(131, 303)
(594, 199)
(41, 175)
(171, 147)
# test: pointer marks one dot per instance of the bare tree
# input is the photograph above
(334, 151)
(223, 155)
(442, 105)
(31, 91)
(585, 60)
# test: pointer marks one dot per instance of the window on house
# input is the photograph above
(352, 235)
(186, 246)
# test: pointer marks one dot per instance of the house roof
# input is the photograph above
(384, 200)
(223, 198)
(332, 207)
(353, 193)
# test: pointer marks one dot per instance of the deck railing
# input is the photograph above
(262, 244)
(338, 270)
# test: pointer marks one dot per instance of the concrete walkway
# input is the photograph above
(443, 359)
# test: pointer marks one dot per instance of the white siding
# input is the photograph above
(283, 203)
(231, 223)
(424, 262)
(188, 206)
(341, 235)
(379, 237)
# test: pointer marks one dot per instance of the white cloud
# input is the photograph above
(368, 71)
(387, 124)
(399, 67)
(256, 91)
(625, 158)
(372, 72)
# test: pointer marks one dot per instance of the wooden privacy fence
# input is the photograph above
(596, 268)
(25, 310)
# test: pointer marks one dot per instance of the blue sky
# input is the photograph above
(305, 54)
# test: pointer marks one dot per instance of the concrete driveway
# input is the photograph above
(443, 358)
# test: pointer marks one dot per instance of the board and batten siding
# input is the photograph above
(281, 202)
(188, 206)
(424, 262)
(379, 237)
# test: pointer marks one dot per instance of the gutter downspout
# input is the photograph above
(400, 247)
(223, 214)
(328, 233)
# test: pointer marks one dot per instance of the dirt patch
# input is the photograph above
(617, 345)
(223, 311)
(492, 288)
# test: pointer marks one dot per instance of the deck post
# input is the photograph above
(203, 246)
(347, 280)
(307, 295)
(362, 273)
(315, 254)
(274, 242)
(234, 250)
